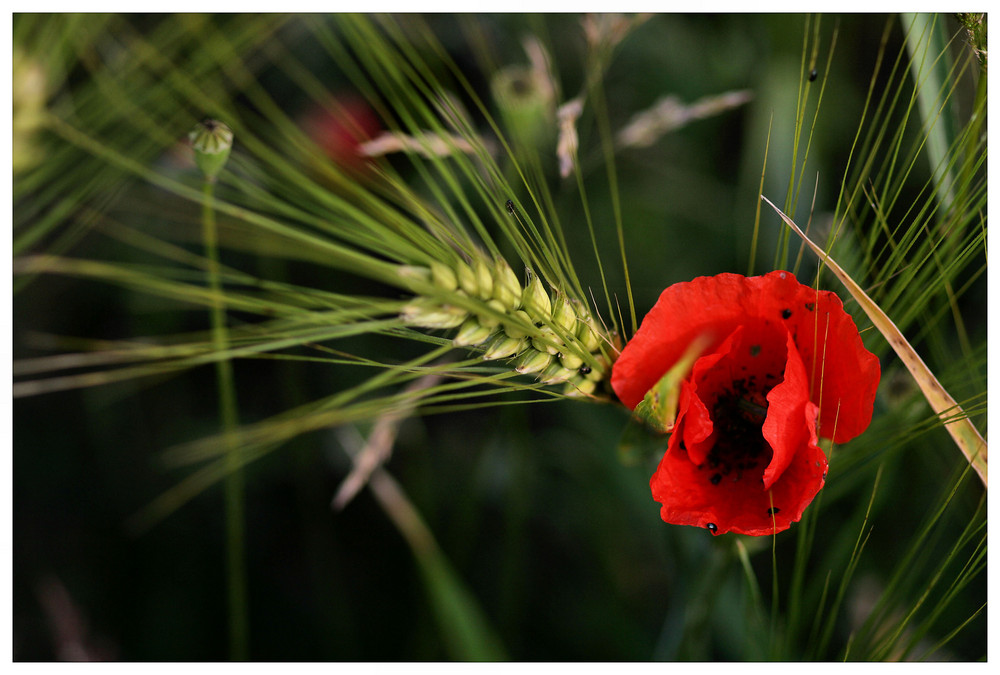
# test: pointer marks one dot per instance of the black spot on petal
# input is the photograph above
(712, 527)
(771, 511)
(810, 306)
(786, 314)
(715, 479)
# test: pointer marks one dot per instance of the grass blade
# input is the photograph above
(965, 434)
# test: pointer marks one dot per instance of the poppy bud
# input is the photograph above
(526, 104)
(212, 141)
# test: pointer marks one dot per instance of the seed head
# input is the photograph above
(212, 141)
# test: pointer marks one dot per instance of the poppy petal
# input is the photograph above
(690, 495)
(706, 305)
(843, 374)
(698, 428)
(786, 428)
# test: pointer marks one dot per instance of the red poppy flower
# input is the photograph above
(784, 364)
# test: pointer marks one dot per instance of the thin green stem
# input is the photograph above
(760, 190)
(233, 485)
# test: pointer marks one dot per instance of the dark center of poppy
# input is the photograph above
(738, 415)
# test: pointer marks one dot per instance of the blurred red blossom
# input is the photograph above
(341, 128)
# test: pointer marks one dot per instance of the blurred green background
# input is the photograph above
(558, 542)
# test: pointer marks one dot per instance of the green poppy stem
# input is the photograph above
(233, 486)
